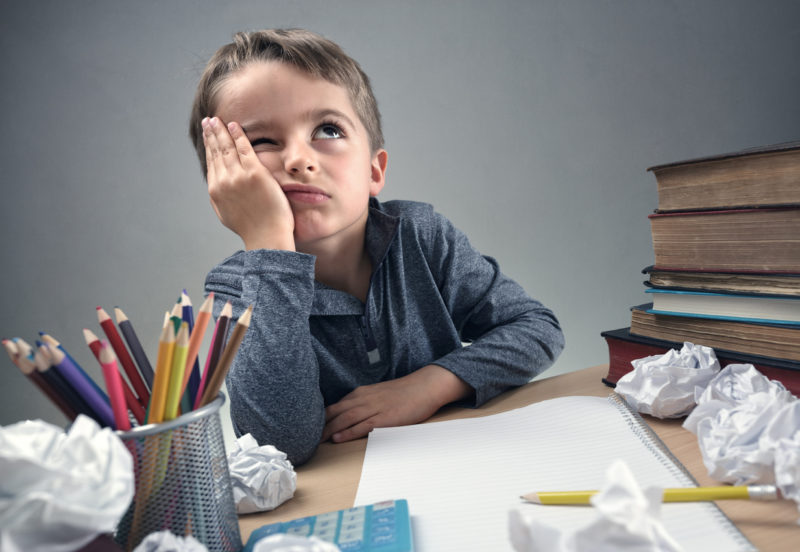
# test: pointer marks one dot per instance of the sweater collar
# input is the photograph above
(380, 233)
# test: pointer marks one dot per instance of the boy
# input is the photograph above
(360, 307)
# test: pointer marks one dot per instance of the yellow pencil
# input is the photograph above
(166, 345)
(688, 494)
(180, 351)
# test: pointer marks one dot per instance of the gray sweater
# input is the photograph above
(308, 345)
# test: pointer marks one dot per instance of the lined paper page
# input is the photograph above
(462, 477)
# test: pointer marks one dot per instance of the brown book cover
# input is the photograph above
(769, 340)
(740, 240)
(625, 347)
(754, 177)
(724, 282)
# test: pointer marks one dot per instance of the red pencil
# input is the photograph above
(114, 386)
(94, 344)
(122, 354)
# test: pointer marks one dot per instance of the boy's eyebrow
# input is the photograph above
(313, 115)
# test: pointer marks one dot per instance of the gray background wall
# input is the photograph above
(529, 124)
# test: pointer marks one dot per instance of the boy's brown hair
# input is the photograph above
(304, 50)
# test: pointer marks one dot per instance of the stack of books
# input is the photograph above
(726, 239)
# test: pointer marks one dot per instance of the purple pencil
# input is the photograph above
(66, 367)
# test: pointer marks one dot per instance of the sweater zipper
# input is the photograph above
(373, 354)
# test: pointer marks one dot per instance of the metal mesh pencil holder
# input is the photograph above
(182, 482)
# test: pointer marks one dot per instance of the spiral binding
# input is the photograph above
(662, 453)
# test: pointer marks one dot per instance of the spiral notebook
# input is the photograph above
(462, 477)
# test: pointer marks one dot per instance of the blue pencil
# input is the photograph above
(50, 340)
(194, 377)
(73, 374)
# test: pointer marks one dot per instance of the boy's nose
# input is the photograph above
(299, 160)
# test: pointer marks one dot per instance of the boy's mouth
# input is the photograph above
(302, 193)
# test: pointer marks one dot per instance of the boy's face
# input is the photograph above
(305, 131)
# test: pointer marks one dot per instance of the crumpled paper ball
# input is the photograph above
(293, 543)
(739, 421)
(59, 490)
(261, 476)
(628, 518)
(664, 385)
(164, 541)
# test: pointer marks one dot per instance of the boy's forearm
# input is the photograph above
(274, 381)
(442, 385)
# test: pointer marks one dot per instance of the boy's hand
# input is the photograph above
(243, 193)
(407, 400)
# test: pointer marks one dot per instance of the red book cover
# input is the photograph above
(623, 348)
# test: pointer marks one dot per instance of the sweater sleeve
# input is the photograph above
(274, 380)
(512, 337)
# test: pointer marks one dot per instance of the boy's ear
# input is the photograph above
(378, 175)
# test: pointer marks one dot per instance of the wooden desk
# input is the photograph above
(330, 480)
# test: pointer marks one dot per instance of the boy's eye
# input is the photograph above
(260, 141)
(328, 131)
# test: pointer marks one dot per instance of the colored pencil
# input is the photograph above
(131, 401)
(196, 340)
(49, 339)
(177, 370)
(220, 338)
(166, 346)
(204, 379)
(67, 368)
(39, 365)
(12, 349)
(122, 354)
(29, 370)
(125, 326)
(176, 316)
(226, 359)
(114, 386)
(192, 376)
(52, 376)
(686, 494)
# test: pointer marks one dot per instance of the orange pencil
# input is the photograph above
(166, 345)
(225, 361)
(203, 316)
(122, 354)
(114, 386)
(130, 399)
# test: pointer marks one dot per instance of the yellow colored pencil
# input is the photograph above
(177, 369)
(166, 346)
(687, 494)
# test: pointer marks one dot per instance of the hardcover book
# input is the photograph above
(744, 240)
(625, 347)
(724, 282)
(756, 177)
(769, 340)
(726, 306)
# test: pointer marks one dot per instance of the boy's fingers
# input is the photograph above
(210, 173)
(242, 144)
(356, 432)
(344, 419)
(223, 149)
